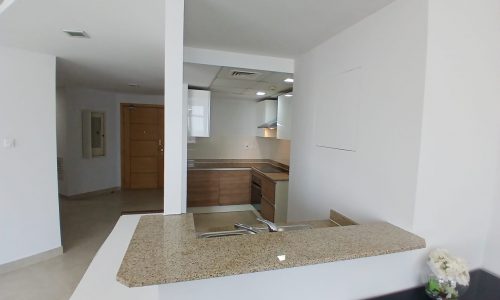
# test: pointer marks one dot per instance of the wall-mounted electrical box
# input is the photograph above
(93, 134)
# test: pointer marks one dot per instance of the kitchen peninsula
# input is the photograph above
(165, 249)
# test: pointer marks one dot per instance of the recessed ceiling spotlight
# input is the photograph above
(77, 34)
(289, 80)
(288, 95)
(135, 85)
(261, 93)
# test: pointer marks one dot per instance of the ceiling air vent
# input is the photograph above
(244, 75)
(77, 34)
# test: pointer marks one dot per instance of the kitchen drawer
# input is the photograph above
(266, 210)
(268, 190)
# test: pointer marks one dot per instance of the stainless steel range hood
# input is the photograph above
(270, 125)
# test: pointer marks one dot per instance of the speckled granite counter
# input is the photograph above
(164, 249)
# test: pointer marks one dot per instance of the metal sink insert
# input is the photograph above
(260, 230)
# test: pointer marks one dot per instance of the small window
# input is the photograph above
(93, 134)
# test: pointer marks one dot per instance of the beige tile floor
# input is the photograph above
(134, 201)
(86, 223)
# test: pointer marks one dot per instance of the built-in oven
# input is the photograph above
(256, 192)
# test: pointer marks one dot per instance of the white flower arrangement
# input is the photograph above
(448, 272)
(448, 267)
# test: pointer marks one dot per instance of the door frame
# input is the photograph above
(124, 139)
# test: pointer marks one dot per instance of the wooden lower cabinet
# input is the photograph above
(274, 199)
(211, 188)
(202, 188)
(268, 198)
(268, 190)
(234, 187)
(267, 210)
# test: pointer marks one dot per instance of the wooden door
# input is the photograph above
(142, 130)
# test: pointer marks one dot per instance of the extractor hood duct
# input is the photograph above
(270, 125)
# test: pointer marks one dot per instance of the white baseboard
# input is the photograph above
(30, 260)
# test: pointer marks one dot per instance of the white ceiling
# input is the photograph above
(126, 44)
(198, 75)
(272, 83)
(280, 28)
(127, 36)
(220, 80)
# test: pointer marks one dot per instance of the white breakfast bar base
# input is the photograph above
(343, 280)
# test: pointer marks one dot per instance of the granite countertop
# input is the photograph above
(164, 249)
(236, 164)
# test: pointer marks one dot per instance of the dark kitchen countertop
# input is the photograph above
(483, 286)
(267, 168)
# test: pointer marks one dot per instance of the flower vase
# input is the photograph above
(443, 289)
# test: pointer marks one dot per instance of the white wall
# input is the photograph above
(88, 175)
(29, 214)
(233, 134)
(378, 181)
(61, 133)
(491, 261)
(441, 181)
(460, 151)
(175, 110)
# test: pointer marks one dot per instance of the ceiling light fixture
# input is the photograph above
(289, 95)
(289, 80)
(77, 34)
(261, 94)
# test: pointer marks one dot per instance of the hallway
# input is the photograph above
(85, 225)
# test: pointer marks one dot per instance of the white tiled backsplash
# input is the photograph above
(237, 147)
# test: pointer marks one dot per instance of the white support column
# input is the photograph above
(175, 110)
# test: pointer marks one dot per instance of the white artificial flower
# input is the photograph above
(446, 266)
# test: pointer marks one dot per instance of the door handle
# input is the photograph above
(160, 145)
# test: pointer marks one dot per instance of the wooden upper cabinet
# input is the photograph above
(234, 187)
(202, 188)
